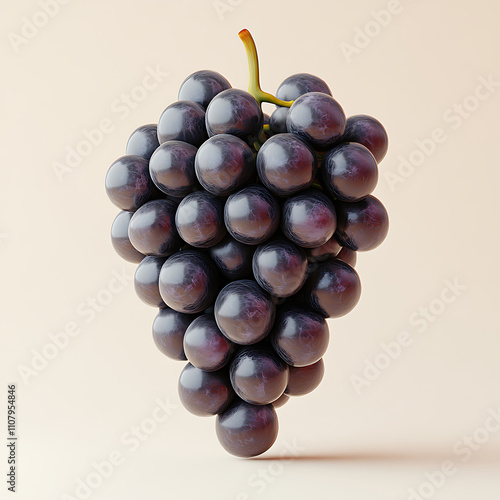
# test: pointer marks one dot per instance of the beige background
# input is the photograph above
(55, 253)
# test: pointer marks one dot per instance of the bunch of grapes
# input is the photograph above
(246, 229)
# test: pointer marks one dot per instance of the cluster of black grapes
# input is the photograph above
(246, 230)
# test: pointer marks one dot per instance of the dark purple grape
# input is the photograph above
(318, 119)
(232, 258)
(325, 252)
(247, 430)
(252, 215)
(304, 380)
(244, 312)
(146, 280)
(128, 183)
(204, 393)
(280, 267)
(205, 346)
(223, 164)
(333, 289)
(120, 240)
(308, 219)
(281, 401)
(286, 165)
(299, 84)
(348, 256)
(234, 112)
(152, 229)
(188, 282)
(169, 328)
(202, 86)
(301, 336)
(258, 376)
(143, 141)
(199, 219)
(368, 131)
(362, 225)
(183, 121)
(277, 121)
(172, 168)
(349, 172)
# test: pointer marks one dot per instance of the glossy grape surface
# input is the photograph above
(188, 282)
(232, 258)
(286, 164)
(202, 86)
(224, 164)
(252, 215)
(280, 267)
(204, 393)
(368, 131)
(258, 376)
(304, 380)
(277, 120)
(169, 328)
(200, 220)
(244, 312)
(324, 252)
(172, 168)
(146, 281)
(299, 84)
(362, 225)
(183, 121)
(205, 346)
(281, 401)
(152, 229)
(348, 256)
(128, 183)
(247, 430)
(349, 172)
(143, 141)
(121, 241)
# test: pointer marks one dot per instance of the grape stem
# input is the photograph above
(253, 67)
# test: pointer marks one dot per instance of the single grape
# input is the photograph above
(223, 164)
(258, 376)
(304, 380)
(280, 267)
(128, 183)
(146, 280)
(368, 131)
(281, 401)
(204, 393)
(252, 215)
(234, 112)
(349, 172)
(199, 219)
(121, 241)
(143, 141)
(362, 225)
(205, 346)
(348, 256)
(169, 328)
(188, 282)
(232, 258)
(325, 252)
(318, 119)
(183, 121)
(300, 336)
(308, 219)
(152, 229)
(247, 430)
(202, 86)
(244, 312)
(277, 121)
(286, 164)
(333, 289)
(172, 168)
(301, 83)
